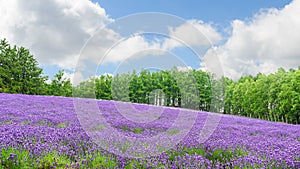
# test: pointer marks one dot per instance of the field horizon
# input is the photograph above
(170, 107)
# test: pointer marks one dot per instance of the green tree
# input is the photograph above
(60, 85)
(120, 87)
(103, 87)
(19, 71)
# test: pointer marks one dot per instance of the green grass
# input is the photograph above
(61, 125)
(6, 122)
(172, 132)
(45, 122)
(97, 160)
(218, 155)
(125, 128)
(138, 130)
(160, 148)
(101, 127)
(15, 159)
(125, 147)
(53, 159)
(26, 122)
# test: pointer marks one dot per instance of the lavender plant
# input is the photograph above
(45, 132)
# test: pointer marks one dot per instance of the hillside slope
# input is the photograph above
(45, 131)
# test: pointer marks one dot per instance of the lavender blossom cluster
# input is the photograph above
(43, 125)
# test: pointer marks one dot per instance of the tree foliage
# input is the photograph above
(19, 71)
(274, 97)
(60, 85)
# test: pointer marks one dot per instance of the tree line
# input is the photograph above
(164, 88)
(20, 73)
(274, 97)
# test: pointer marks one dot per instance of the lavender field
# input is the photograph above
(50, 132)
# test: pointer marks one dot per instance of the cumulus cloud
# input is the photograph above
(135, 46)
(184, 68)
(192, 33)
(263, 44)
(54, 30)
(108, 48)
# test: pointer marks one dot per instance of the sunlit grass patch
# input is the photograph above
(160, 148)
(16, 159)
(98, 128)
(26, 122)
(45, 123)
(51, 160)
(12, 158)
(101, 127)
(6, 122)
(61, 125)
(125, 128)
(125, 147)
(172, 132)
(214, 156)
(99, 161)
(138, 130)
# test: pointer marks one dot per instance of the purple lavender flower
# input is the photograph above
(43, 125)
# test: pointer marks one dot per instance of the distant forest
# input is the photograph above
(274, 97)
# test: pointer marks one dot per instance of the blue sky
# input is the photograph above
(218, 11)
(245, 37)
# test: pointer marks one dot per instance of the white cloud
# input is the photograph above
(192, 33)
(107, 74)
(76, 78)
(54, 30)
(102, 49)
(68, 76)
(268, 41)
(135, 46)
(184, 68)
(104, 74)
